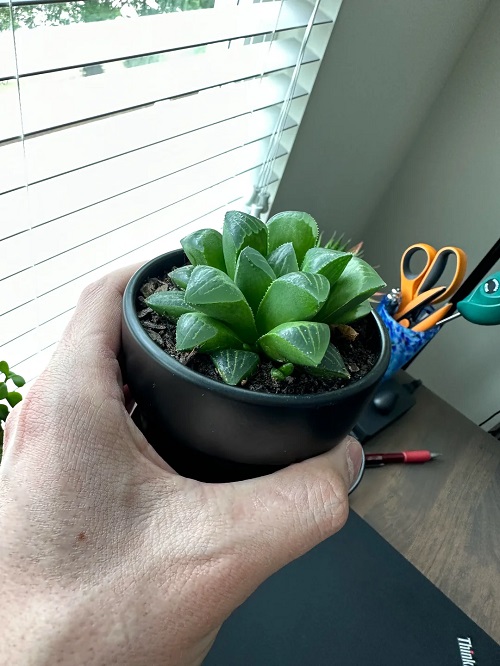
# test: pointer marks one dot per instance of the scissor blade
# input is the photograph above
(414, 307)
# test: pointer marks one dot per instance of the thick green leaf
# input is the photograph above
(253, 276)
(302, 342)
(331, 366)
(358, 282)
(283, 260)
(4, 412)
(329, 263)
(234, 365)
(18, 380)
(180, 276)
(293, 297)
(204, 248)
(13, 398)
(281, 373)
(3, 390)
(195, 329)
(4, 367)
(169, 304)
(241, 230)
(212, 292)
(295, 227)
(358, 312)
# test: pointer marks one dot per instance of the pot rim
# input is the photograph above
(171, 364)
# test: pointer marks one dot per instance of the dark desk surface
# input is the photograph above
(443, 516)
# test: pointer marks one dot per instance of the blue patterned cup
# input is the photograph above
(405, 343)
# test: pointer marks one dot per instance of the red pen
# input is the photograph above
(405, 457)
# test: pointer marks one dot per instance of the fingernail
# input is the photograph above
(354, 454)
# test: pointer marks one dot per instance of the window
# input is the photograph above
(125, 125)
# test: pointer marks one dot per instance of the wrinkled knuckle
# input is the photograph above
(332, 506)
(94, 290)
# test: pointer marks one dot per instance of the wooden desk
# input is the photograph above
(443, 516)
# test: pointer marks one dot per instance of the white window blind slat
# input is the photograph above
(12, 166)
(54, 48)
(74, 147)
(14, 211)
(80, 98)
(61, 235)
(85, 187)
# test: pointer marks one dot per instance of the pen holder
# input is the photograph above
(405, 343)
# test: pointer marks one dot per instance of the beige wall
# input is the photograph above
(385, 64)
(448, 192)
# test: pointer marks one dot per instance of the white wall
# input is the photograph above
(448, 192)
(385, 64)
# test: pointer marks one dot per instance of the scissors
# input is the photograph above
(419, 289)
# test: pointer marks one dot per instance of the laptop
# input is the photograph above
(351, 601)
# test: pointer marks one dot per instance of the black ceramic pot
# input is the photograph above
(215, 432)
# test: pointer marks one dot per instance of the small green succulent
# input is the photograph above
(265, 290)
(12, 397)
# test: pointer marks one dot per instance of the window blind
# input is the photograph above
(127, 124)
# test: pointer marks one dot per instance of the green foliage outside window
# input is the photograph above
(86, 11)
(8, 397)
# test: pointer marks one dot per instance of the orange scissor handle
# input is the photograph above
(436, 270)
(410, 281)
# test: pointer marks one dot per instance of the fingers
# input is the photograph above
(67, 405)
(89, 346)
(285, 514)
(96, 323)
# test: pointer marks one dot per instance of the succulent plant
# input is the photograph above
(265, 290)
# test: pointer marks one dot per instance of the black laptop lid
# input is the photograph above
(352, 601)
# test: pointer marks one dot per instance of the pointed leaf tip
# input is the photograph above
(204, 247)
(292, 226)
(300, 342)
(235, 365)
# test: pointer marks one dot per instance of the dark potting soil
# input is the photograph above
(360, 355)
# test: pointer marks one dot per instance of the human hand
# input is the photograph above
(107, 556)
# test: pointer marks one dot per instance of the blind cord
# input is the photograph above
(258, 202)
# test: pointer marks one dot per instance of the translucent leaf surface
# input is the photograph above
(180, 276)
(331, 366)
(283, 260)
(292, 226)
(204, 248)
(329, 263)
(241, 230)
(358, 282)
(302, 342)
(212, 292)
(293, 297)
(253, 276)
(352, 315)
(196, 330)
(169, 304)
(234, 365)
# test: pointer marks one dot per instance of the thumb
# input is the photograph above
(285, 514)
